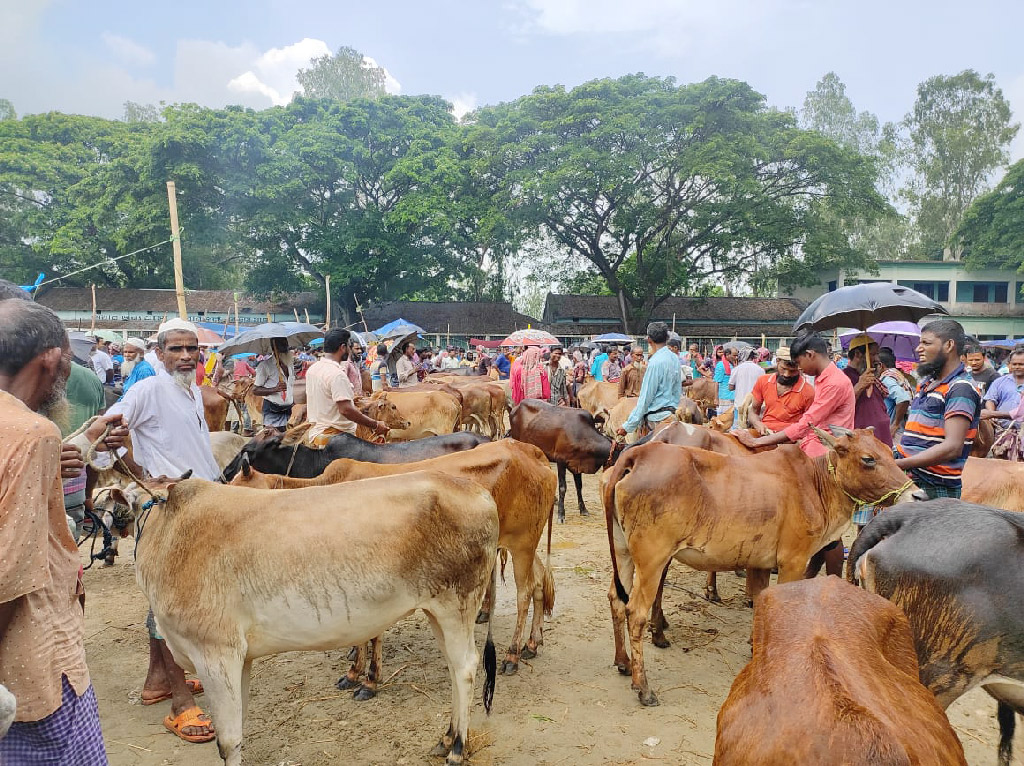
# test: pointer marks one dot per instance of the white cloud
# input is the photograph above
(391, 85)
(128, 51)
(273, 73)
(462, 104)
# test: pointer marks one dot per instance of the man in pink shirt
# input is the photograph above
(834, 405)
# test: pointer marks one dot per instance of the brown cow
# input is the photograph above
(215, 408)
(704, 391)
(569, 438)
(995, 483)
(598, 397)
(833, 680)
(719, 512)
(430, 413)
(522, 485)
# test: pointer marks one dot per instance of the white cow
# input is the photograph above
(343, 574)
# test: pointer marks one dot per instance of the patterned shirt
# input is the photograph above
(934, 404)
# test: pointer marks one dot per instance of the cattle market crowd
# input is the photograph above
(727, 458)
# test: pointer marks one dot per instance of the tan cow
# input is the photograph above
(704, 391)
(215, 408)
(720, 512)
(833, 680)
(995, 483)
(430, 413)
(598, 398)
(519, 479)
(342, 575)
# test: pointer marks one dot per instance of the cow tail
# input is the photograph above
(881, 527)
(613, 476)
(490, 655)
(549, 578)
(1007, 724)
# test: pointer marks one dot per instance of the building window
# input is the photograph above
(982, 292)
(937, 291)
(832, 286)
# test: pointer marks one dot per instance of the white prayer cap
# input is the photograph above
(176, 324)
(138, 343)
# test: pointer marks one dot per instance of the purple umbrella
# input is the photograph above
(901, 337)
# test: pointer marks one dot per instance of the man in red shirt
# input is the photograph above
(833, 406)
(785, 396)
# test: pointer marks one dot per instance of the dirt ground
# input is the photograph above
(567, 706)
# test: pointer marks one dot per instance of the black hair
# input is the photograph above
(887, 357)
(1017, 350)
(973, 347)
(335, 339)
(948, 329)
(27, 330)
(805, 342)
(657, 332)
(382, 349)
(407, 344)
(9, 290)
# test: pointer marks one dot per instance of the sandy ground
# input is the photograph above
(567, 706)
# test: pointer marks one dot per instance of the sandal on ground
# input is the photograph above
(194, 685)
(192, 717)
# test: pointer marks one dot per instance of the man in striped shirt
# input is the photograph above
(943, 417)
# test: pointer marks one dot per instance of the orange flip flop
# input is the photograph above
(194, 685)
(193, 716)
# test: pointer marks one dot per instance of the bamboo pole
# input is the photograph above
(236, 313)
(359, 308)
(307, 315)
(179, 280)
(327, 314)
(92, 324)
(296, 312)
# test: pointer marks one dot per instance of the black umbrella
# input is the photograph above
(863, 305)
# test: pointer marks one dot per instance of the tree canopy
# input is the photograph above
(992, 230)
(345, 76)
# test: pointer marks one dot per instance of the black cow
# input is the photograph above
(569, 438)
(957, 571)
(302, 462)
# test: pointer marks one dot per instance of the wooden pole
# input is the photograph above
(327, 314)
(92, 324)
(307, 315)
(296, 312)
(179, 280)
(236, 313)
(359, 308)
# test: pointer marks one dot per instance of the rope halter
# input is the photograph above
(857, 501)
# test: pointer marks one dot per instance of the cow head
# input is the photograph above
(384, 409)
(863, 467)
(250, 477)
(136, 496)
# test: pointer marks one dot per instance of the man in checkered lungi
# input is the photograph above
(42, 651)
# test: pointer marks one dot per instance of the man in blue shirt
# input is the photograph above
(502, 365)
(134, 351)
(596, 369)
(723, 372)
(1004, 393)
(662, 386)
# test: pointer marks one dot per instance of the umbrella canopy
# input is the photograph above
(612, 337)
(81, 346)
(396, 348)
(208, 337)
(742, 348)
(258, 339)
(389, 330)
(111, 335)
(861, 306)
(901, 337)
(1007, 344)
(531, 338)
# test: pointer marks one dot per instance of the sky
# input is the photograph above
(90, 56)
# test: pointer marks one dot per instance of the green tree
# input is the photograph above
(829, 111)
(7, 110)
(667, 189)
(959, 134)
(991, 233)
(345, 76)
(135, 112)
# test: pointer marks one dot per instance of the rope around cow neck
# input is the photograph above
(854, 498)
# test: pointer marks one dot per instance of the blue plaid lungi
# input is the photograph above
(69, 736)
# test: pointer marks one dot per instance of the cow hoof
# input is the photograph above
(712, 596)
(750, 603)
(482, 617)
(527, 653)
(624, 668)
(345, 684)
(660, 641)
(561, 518)
(364, 693)
(584, 512)
(649, 699)
(440, 749)
(509, 668)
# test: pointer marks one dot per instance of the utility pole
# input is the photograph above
(179, 280)
(327, 315)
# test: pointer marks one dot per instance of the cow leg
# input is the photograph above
(543, 602)
(485, 608)
(641, 598)
(757, 581)
(369, 688)
(711, 589)
(658, 621)
(225, 680)
(624, 566)
(522, 570)
(454, 631)
(351, 678)
(561, 493)
(578, 478)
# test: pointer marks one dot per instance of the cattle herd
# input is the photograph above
(374, 532)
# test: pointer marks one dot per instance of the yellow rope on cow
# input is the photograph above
(857, 500)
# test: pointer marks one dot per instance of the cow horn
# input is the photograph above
(824, 437)
(246, 465)
(185, 475)
(840, 431)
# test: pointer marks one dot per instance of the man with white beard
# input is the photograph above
(135, 366)
(164, 414)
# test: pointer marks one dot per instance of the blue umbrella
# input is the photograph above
(1007, 344)
(612, 337)
(258, 339)
(396, 328)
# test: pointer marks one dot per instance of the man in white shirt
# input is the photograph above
(451, 360)
(406, 368)
(164, 414)
(102, 364)
(275, 381)
(329, 397)
(742, 381)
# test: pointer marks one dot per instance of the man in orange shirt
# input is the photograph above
(785, 396)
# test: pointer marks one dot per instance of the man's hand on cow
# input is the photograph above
(621, 432)
(745, 437)
(71, 464)
(763, 429)
(381, 428)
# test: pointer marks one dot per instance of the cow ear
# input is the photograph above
(246, 465)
